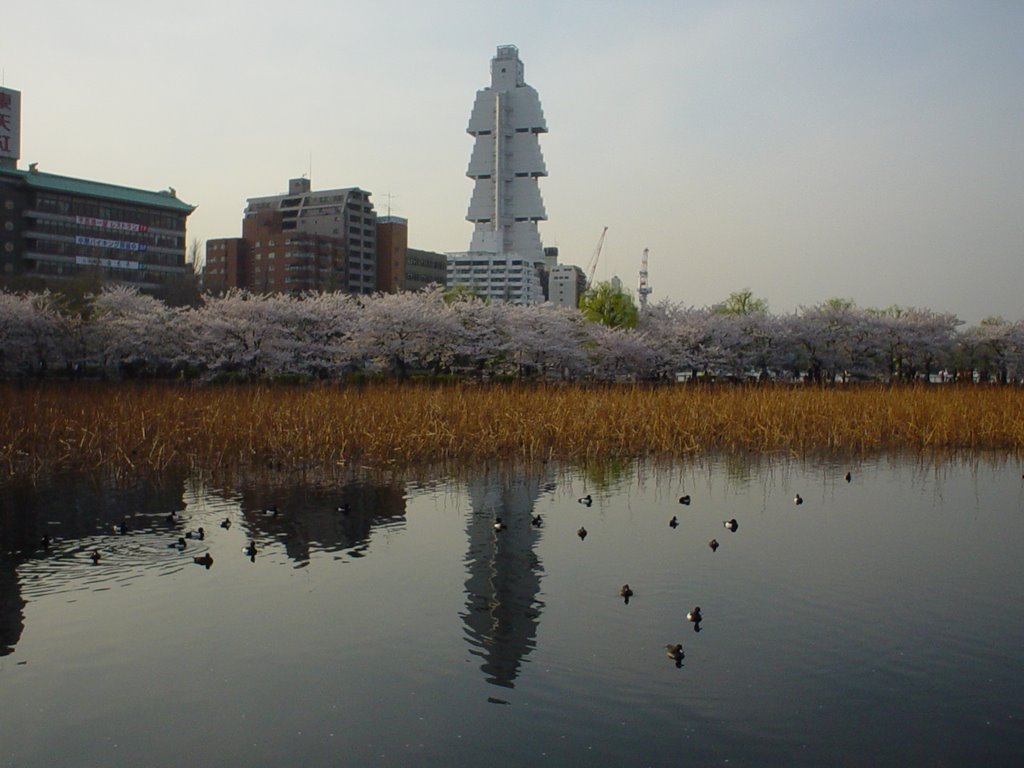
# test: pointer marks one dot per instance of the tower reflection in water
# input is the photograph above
(503, 573)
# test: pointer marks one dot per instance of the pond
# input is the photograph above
(385, 620)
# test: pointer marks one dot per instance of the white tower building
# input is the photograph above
(505, 260)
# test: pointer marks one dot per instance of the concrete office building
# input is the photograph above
(505, 260)
(424, 268)
(567, 284)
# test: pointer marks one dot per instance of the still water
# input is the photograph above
(383, 620)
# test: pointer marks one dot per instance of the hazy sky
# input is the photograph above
(804, 150)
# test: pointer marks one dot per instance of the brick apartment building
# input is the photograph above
(305, 240)
(401, 268)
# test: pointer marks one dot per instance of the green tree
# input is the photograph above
(459, 293)
(741, 303)
(608, 305)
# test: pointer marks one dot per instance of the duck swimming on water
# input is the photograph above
(685, 500)
(206, 560)
(695, 616)
(674, 522)
(582, 533)
(585, 500)
(198, 534)
(732, 525)
(675, 652)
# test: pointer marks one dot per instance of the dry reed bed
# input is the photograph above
(133, 428)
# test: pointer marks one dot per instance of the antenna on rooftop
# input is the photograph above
(389, 197)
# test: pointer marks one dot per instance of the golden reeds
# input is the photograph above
(152, 427)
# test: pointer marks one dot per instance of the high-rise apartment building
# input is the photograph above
(305, 240)
(505, 260)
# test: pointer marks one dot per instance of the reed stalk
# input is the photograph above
(131, 428)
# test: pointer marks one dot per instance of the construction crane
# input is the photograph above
(644, 288)
(592, 267)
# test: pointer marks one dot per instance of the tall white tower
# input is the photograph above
(506, 162)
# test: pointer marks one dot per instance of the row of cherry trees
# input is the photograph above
(121, 332)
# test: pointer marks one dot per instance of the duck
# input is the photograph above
(45, 541)
(121, 528)
(225, 523)
(206, 560)
(732, 525)
(343, 509)
(179, 544)
(625, 592)
(847, 477)
(499, 525)
(582, 533)
(695, 616)
(685, 500)
(536, 521)
(95, 556)
(585, 500)
(798, 499)
(714, 545)
(171, 517)
(674, 522)
(199, 534)
(271, 510)
(675, 652)
(251, 550)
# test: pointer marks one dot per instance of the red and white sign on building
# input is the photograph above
(10, 124)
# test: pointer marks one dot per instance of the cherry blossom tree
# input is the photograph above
(398, 332)
(28, 333)
(133, 332)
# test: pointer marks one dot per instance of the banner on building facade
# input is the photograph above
(10, 124)
(120, 226)
(93, 261)
(119, 245)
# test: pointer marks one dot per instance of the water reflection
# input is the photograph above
(311, 517)
(823, 633)
(12, 620)
(82, 533)
(503, 572)
(71, 521)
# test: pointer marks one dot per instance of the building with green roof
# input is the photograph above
(58, 229)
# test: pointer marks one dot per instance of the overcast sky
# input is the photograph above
(804, 150)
